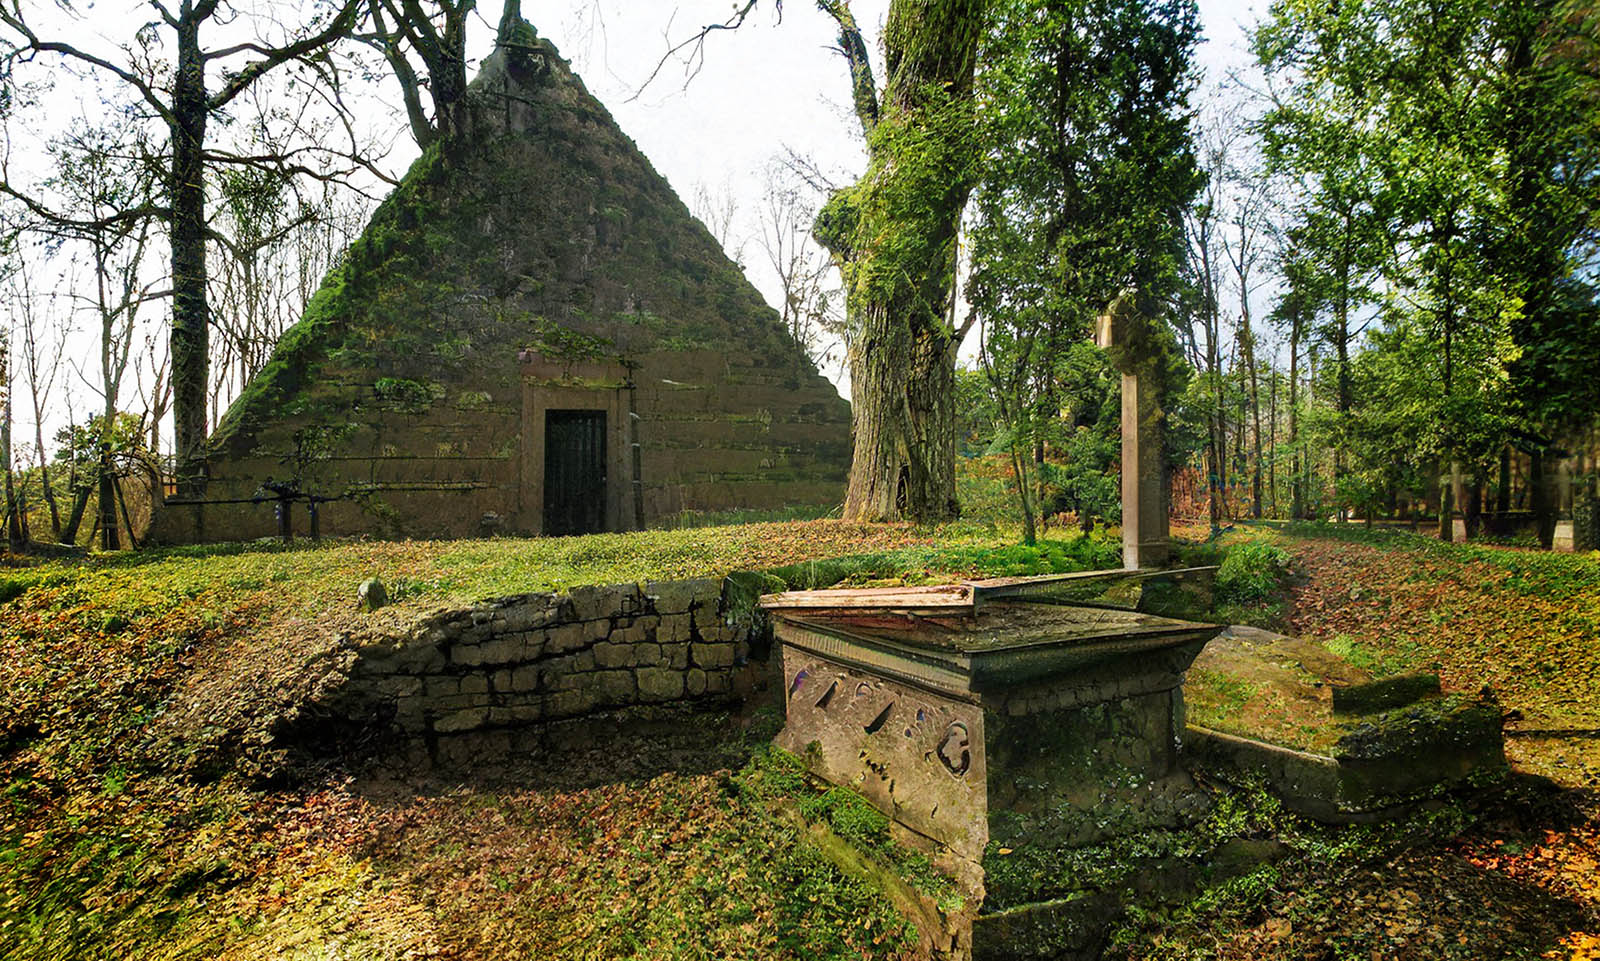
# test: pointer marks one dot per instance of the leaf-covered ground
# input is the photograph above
(134, 821)
(1515, 873)
(114, 843)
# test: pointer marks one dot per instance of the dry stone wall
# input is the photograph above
(536, 658)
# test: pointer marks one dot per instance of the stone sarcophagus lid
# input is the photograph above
(991, 711)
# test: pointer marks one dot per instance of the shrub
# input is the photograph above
(1251, 572)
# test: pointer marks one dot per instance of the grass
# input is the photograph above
(126, 825)
(117, 843)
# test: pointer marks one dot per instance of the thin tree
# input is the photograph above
(807, 282)
(184, 84)
(12, 517)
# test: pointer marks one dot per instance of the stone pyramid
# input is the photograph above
(533, 335)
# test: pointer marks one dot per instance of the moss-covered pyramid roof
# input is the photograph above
(542, 226)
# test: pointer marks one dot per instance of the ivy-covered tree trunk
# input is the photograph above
(896, 232)
(191, 312)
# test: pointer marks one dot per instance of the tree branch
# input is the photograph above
(863, 89)
(33, 43)
(273, 57)
(695, 59)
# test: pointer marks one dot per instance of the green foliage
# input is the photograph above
(1087, 169)
(559, 342)
(1251, 572)
(407, 396)
(1438, 146)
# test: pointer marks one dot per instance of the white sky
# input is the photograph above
(765, 89)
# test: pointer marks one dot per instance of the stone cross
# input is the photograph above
(1126, 332)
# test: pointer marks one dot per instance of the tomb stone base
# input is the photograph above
(1031, 724)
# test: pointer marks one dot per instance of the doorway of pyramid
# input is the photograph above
(574, 472)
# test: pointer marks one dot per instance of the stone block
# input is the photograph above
(505, 649)
(419, 659)
(646, 655)
(609, 654)
(438, 686)
(398, 687)
(515, 715)
(569, 703)
(525, 679)
(474, 684)
(659, 684)
(467, 720)
(374, 662)
(500, 681)
(695, 682)
(527, 713)
(675, 656)
(466, 655)
(615, 687)
(460, 702)
(714, 628)
(677, 597)
(674, 627)
(631, 632)
(410, 715)
(718, 682)
(529, 616)
(583, 662)
(595, 603)
(566, 637)
(711, 655)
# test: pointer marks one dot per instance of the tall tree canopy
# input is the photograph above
(1088, 169)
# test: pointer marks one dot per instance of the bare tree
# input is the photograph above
(41, 342)
(180, 84)
(812, 301)
(718, 209)
(13, 512)
(282, 243)
(1243, 244)
(100, 171)
(1203, 227)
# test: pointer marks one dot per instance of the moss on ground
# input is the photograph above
(133, 817)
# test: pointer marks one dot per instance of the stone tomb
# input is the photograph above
(970, 713)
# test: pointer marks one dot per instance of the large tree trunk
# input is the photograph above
(1248, 349)
(1473, 513)
(901, 264)
(1502, 497)
(902, 383)
(1447, 521)
(1272, 442)
(49, 490)
(191, 313)
(1343, 399)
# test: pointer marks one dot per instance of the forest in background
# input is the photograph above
(1375, 256)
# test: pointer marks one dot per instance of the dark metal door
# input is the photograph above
(574, 471)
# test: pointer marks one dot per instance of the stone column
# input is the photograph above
(1127, 333)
